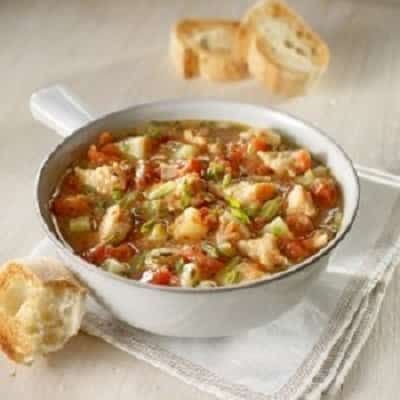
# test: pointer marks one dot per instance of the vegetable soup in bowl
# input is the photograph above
(192, 218)
(197, 203)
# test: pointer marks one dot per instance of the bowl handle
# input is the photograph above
(58, 109)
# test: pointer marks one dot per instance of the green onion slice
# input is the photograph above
(162, 190)
(271, 208)
(80, 224)
(186, 198)
(116, 195)
(210, 249)
(147, 226)
(240, 215)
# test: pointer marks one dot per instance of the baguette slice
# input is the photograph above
(41, 307)
(204, 48)
(281, 50)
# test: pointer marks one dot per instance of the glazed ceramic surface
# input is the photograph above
(185, 312)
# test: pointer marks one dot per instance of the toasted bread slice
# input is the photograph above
(41, 307)
(204, 48)
(280, 48)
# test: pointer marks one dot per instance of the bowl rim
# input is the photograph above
(220, 289)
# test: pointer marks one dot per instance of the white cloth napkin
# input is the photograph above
(309, 350)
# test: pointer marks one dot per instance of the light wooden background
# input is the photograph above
(113, 53)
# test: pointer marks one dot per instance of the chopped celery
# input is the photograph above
(240, 215)
(307, 179)
(116, 195)
(226, 249)
(231, 277)
(252, 210)
(158, 233)
(278, 227)
(226, 181)
(210, 249)
(114, 266)
(215, 171)
(150, 209)
(80, 224)
(147, 226)
(99, 212)
(186, 152)
(186, 197)
(237, 211)
(161, 190)
(152, 131)
(251, 149)
(271, 208)
(137, 262)
(234, 203)
(125, 147)
(310, 175)
(337, 221)
(233, 262)
(227, 271)
(129, 199)
(179, 265)
(88, 190)
(320, 171)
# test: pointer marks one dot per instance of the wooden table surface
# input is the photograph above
(113, 54)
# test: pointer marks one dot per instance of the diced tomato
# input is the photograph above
(293, 249)
(208, 266)
(126, 176)
(147, 174)
(258, 223)
(208, 219)
(164, 138)
(264, 191)
(71, 206)
(259, 143)
(193, 165)
(162, 277)
(325, 193)
(302, 161)
(95, 156)
(236, 155)
(299, 224)
(111, 150)
(96, 255)
(105, 155)
(71, 184)
(123, 252)
(174, 281)
(255, 166)
(105, 138)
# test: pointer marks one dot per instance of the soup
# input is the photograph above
(196, 204)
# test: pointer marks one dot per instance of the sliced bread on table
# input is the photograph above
(281, 50)
(41, 307)
(204, 48)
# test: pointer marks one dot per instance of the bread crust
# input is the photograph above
(36, 273)
(192, 59)
(265, 64)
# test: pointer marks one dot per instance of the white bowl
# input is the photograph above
(186, 312)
